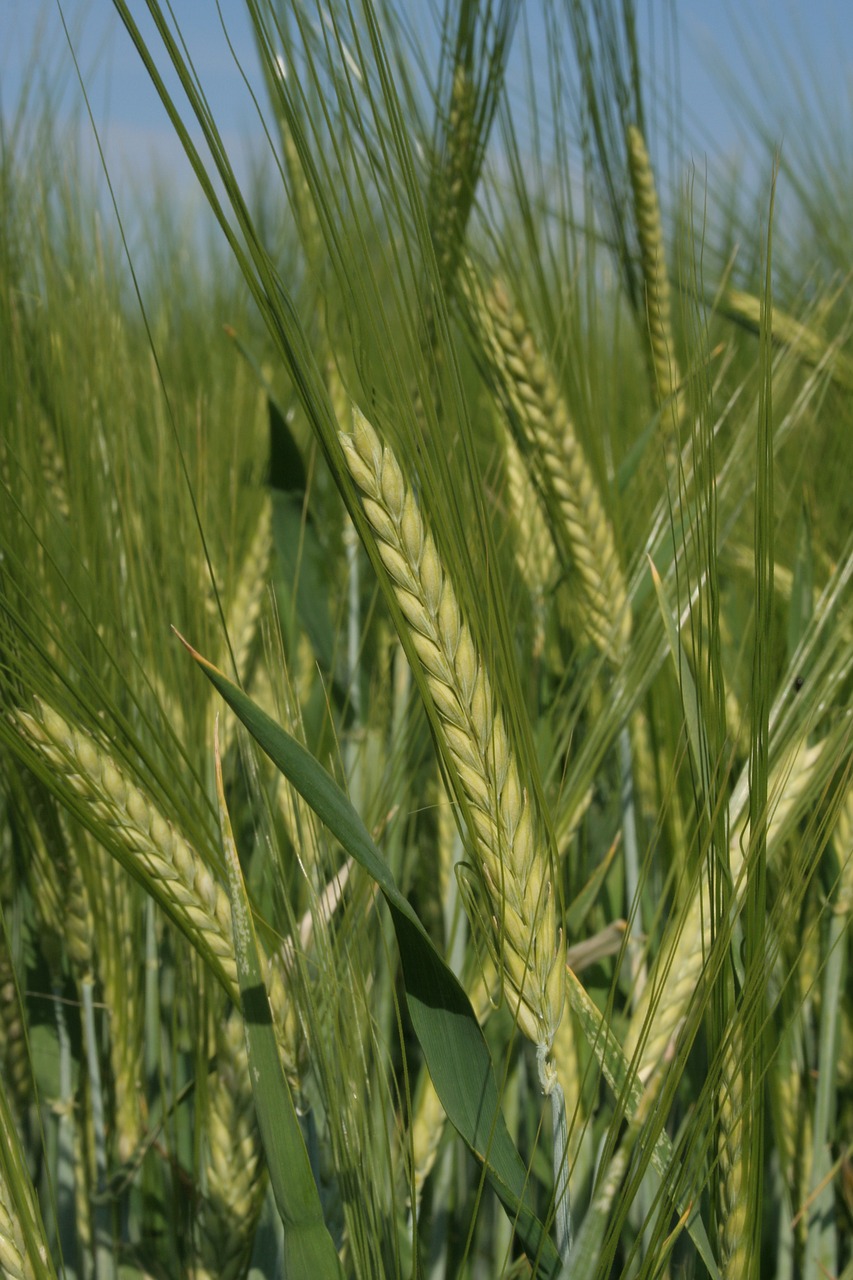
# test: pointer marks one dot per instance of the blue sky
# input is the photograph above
(816, 35)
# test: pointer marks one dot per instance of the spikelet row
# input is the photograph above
(171, 868)
(244, 610)
(583, 527)
(452, 195)
(510, 847)
(535, 553)
(14, 1262)
(119, 974)
(659, 1013)
(842, 839)
(810, 344)
(657, 296)
(18, 1207)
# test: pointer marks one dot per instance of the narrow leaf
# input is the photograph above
(453, 1044)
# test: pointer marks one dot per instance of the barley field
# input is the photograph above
(426, 710)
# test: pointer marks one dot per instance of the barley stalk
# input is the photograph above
(84, 1175)
(656, 280)
(610, 1178)
(513, 862)
(582, 525)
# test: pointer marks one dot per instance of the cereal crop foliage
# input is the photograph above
(425, 672)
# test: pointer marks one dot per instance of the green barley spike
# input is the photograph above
(661, 351)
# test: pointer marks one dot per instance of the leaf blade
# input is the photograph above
(453, 1044)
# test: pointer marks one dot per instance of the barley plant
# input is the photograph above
(426, 714)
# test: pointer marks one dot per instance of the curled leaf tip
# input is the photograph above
(182, 639)
(194, 653)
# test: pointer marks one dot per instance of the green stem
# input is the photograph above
(821, 1253)
(104, 1261)
(66, 1215)
(562, 1196)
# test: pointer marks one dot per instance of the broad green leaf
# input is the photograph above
(453, 1044)
(308, 1247)
(287, 472)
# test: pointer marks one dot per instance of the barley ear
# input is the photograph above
(167, 863)
(14, 1062)
(152, 847)
(23, 1247)
(535, 553)
(679, 968)
(663, 361)
(809, 344)
(453, 199)
(579, 522)
(510, 849)
(14, 1262)
(731, 1148)
(244, 610)
(842, 839)
(120, 976)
